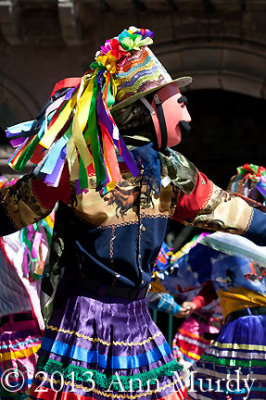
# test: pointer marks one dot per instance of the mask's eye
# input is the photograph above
(182, 100)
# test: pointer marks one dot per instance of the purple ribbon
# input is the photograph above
(54, 177)
(106, 121)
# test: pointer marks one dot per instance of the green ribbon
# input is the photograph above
(232, 362)
(92, 134)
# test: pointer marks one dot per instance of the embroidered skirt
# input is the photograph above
(105, 349)
(19, 343)
(234, 367)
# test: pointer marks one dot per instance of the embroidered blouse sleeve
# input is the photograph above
(209, 207)
(30, 200)
(163, 302)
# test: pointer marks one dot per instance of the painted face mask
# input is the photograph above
(169, 115)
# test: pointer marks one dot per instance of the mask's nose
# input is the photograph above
(182, 102)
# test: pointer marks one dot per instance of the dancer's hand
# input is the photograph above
(187, 309)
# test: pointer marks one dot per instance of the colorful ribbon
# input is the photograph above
(33, 238)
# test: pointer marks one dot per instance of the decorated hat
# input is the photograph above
(250, 182)
(76, 125)
(139, 75)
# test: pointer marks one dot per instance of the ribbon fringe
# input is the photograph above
(75, 127)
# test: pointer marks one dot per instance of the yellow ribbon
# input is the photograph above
(59, 124)
(24, 353)
(72, 159)
(80, 120)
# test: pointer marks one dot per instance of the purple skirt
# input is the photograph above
(234, 367)
(105, 349)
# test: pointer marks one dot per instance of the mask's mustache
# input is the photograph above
(184, 126)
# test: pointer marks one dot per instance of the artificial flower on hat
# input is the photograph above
(249, 181)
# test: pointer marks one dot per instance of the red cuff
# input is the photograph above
(205, 296)
(199, 302)
(189, 206)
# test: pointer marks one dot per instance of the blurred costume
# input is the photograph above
(158, 298)
(235, 365)
(22, 258)
(163, 302)
(196, 332)
(100, 340)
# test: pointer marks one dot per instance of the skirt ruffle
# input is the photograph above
(19, 343)
(111, 349)
(234, 367)
(189, 342)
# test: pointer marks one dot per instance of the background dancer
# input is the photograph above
(22, 258)
(199, 322)
(235, 364)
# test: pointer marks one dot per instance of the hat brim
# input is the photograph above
(181, 82)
